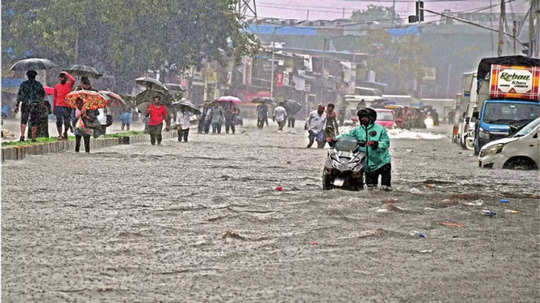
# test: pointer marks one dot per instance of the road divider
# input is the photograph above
(19, 152)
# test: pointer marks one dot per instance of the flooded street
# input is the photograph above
(203, 222)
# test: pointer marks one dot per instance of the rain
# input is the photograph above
(270, 151)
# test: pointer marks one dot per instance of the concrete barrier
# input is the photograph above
(21, 151)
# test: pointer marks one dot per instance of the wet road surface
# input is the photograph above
(201, 222)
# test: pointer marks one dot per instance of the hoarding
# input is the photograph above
(516, 82)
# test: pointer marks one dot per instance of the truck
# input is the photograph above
(466, 125)
(507, 97)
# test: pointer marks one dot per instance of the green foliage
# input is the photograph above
(395, 60)
(126, 37)
(375, 13)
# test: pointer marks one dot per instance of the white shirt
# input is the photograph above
(280, 113)
(182, 119)
(316, 122)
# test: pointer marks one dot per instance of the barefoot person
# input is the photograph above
(157, 113)
(315, 125)
(61, 111)
(31, 94)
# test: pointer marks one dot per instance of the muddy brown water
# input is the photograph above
(201, 222)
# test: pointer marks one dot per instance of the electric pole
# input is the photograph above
(534, 29)
(514, 33)
(501, 29)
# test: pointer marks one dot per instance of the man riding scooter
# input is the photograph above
(376, 139)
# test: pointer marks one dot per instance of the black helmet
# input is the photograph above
(367, 112)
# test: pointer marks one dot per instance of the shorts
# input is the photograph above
(317, 136)
(63, 115)
(125, 118)
(30, 112)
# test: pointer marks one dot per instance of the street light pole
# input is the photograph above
(272, 76)
(272, 68)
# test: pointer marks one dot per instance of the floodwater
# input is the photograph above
(202, 222)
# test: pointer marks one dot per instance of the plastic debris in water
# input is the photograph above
(418, 234)
(314, 243)
(511, 211)
(504, 201)
(489, 213)
(452, 224)
(430, 185)
(279, 188)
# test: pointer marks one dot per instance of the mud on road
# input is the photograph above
(202, 222)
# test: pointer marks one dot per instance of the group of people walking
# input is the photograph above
(35, 110)
(215, 114)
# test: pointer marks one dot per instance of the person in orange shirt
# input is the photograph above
(156, 113)
(60, 109)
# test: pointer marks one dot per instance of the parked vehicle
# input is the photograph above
(521, 151)
(385, 117)
(507, 93)
(343, 167)
(466, 124)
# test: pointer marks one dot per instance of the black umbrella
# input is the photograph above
(149, 94)
(292, 106)
(174, 86)
(190, 106)
(33, 64)
(263, 100)
(151, 83)
(84, 71)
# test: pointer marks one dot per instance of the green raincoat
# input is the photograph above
(375, 132)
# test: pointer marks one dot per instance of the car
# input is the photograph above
(385, 117)
(520, 151)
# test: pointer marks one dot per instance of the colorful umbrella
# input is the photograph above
(113, 99)
(232, 99)
(91, 99)
(33, 64)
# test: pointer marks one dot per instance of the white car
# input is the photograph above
(521, 151)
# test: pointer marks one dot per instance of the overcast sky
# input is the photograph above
(334, 9)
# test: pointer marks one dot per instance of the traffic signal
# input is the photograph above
(419, 17)
(420, 10)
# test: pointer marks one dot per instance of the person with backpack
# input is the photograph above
(30, 96)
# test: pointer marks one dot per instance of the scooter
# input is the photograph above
(344, 167)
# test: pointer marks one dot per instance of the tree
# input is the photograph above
(375, 13)
(396, 61)
(126, 37)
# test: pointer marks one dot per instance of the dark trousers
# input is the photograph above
(216, 127)
(155, 133)
(290, 122)
(229, 123)
(86, 139)
(372, 177)
(183, 133)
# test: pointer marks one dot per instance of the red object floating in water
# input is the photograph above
(315, 243)
(279, 188)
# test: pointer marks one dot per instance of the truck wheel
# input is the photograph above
(476, 149)
(327, 182)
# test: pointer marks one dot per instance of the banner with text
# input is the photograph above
(517, 82)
